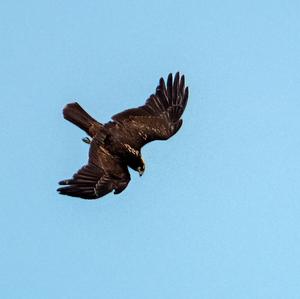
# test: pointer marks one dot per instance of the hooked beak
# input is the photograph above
(141, 169)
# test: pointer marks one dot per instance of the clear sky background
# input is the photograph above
(217, 212)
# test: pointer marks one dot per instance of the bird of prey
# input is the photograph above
(117, 144)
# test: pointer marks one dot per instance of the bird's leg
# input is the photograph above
(86, 140)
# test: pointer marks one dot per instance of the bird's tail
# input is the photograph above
(74, 113)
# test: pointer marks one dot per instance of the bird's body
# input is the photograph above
(116, 145)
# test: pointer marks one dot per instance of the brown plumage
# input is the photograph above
(117, 144)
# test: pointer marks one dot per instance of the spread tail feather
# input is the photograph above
(74, 113)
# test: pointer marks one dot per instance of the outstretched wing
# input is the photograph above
(103, 174)
(160, 117)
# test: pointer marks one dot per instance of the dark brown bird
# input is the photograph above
(117, 144)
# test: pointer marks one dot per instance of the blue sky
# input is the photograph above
(216, 214)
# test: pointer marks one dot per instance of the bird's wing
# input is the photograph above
(103, 174)
(159, 118)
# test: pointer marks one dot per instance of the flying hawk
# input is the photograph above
(117, 144)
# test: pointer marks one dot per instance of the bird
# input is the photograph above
(116, 145)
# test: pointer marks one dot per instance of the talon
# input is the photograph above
(86, 140)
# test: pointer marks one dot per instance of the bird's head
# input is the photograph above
(141, 168)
